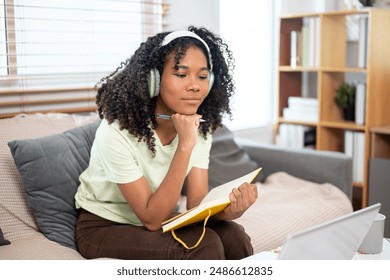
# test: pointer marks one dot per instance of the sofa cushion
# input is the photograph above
(50, 167)
(228, 160)
(16, 217)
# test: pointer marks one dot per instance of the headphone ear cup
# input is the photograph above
(211, 81)
(154, 83)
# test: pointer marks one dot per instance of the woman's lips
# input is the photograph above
(191, 100)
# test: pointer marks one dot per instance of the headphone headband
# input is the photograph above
(184, 33)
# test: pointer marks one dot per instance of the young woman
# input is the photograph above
(140, 161)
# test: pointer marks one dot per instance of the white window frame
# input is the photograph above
(25, 88)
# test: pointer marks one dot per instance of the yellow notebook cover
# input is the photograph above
(215, 201)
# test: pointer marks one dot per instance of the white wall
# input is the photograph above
(307, 6)
(250, 39)
(200, 13)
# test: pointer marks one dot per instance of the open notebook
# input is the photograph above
(214, 202)
(337, 239)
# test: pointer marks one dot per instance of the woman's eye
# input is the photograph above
(179, 75)
(203, 77)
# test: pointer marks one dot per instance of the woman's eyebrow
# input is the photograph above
(178, 66)
(184, 67)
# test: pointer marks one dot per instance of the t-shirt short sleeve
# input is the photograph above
(117, 156)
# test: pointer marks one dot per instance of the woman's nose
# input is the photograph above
(193, 85)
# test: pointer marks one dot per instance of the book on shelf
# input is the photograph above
(317, 39)
(214, 202)
(298, 114)
(358, 155)
(363, 31)
(297, 136)
(348, 143)
(302, 102)
(360, 103)
(305, 45)
(354, 146)
(310, 40)
(295, 49)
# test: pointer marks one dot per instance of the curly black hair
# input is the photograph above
(124, 94)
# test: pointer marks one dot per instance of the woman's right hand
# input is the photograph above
(187, 128)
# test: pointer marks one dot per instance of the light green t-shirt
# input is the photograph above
(117, 157)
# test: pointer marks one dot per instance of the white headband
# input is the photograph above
(177, 34)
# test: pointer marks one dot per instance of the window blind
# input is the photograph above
(53, 52)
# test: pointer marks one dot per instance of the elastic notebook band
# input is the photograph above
(200, 239)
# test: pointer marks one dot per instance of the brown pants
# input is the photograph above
(97, 238)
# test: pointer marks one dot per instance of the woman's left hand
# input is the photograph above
(241, 199)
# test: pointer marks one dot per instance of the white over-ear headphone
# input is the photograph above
(154, 75)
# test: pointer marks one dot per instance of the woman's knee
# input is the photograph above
(236, 241)
(210, 248)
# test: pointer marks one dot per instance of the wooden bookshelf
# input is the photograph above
(331, 71)
(380, 142)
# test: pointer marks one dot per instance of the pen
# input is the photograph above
(168, 117)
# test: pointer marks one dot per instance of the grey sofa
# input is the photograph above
(312, 165)
(38, 219)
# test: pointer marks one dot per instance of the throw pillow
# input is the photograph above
(3, 241)
(227, 160)
(50, 167)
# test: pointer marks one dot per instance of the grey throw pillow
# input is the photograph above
(50, 167)
(227, 160)
(3, 241)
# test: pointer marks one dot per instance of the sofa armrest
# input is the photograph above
(312, 165)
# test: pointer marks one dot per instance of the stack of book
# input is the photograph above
(354, 147)
(301, 109)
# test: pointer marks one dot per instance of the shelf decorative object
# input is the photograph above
(345, 98)
(367, 3)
